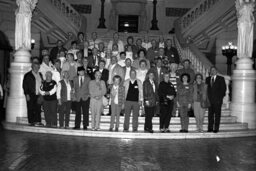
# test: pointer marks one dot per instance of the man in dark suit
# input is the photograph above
(94, 59)
(104, 72)
(216, 92)
(56, 50)
(31, 84)
(159, 71)
(81, 96)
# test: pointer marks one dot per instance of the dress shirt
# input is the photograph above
(127, 73)
(81, 80)
(153, 85)
(38, 81)
(116, 94)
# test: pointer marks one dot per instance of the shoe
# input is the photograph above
(215, 131)
(97, 129)
(162, 130)
(77, 128)
(85, 127)
(134, 130)
(167, 131)
(31, 124)
(143, 115)
(66, 127)
(93, 129)
(109, 114)
(185, 131)
(121, 114)
(116, 129)
(110, 129)
(126, 130)
(61, 127)
(209, 130)
(151, 131)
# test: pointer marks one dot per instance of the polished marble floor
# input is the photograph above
(44, 152)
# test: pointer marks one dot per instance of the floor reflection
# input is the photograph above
(28, 151)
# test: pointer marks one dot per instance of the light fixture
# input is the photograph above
(33, 42)
(229, 51)
(126, 24)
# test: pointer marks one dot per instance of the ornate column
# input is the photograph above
(154, 20)
(243, 80)
(16, 104)
(102, 19)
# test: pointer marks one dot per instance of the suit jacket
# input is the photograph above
(149, 94)
(217, 91)
(172, 54)
(127, 85)
(83, 91)
(159, 78)
(91, 61)
(121, 95)
(29, 83)
(117, 70)
(104, 75)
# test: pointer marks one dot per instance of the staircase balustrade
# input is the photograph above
(193, 14)
(67, 10)
(200, 64)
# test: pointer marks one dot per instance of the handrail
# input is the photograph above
(194, 13)
(65, 8)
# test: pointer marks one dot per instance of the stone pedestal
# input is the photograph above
(243, 92)
(16, 103)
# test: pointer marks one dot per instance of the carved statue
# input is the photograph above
(23, 23)
(245, 27)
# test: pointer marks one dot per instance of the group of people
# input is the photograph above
(146, 76)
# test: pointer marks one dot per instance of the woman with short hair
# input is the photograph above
(184, 100)
(48, 91)
(200, 99)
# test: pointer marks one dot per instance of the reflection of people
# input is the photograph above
(31, 84)
(245, 28)
(216, 92)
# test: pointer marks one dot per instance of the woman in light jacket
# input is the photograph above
(97, 89)
(199, 97)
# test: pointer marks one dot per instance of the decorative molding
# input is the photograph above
(175, 12)
(82, 8)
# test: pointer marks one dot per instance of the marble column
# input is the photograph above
(154, 20)
(16, 103)
(102, 19)
(243, 79)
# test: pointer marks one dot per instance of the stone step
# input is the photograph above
(127, 136)
(173, 126)
(155, 120)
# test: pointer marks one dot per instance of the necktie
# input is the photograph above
(212, 81)
(81, 81)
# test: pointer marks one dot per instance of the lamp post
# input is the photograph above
(229, 51)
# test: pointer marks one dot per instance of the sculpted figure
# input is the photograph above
(23, 23)
(245, 27)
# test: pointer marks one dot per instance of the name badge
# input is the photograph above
(136, 87)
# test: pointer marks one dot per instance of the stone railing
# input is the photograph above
(193, 14)
(67, 10)
(202, 65)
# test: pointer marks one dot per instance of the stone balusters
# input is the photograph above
(65, 8)
(196, 12)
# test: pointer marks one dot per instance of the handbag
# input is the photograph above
(104, 101)
(205, 103)
(40, 100)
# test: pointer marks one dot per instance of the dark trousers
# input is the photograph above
(149, 113)
(84, 105)
(134, 108)
(34, 110)
(214, 115)
(50, 112)
(165, 115)
(64, 112)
